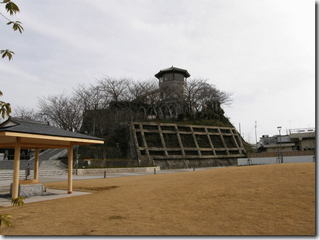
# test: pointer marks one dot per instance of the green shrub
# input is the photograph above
(19, 201)
(5, 220)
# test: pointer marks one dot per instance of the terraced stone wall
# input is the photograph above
(172, 145)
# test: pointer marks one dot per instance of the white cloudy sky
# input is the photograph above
(261, 51)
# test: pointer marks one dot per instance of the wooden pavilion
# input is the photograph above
(20, 134)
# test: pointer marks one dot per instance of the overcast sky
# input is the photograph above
(261, 51)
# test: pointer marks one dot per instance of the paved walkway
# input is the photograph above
(5, 200)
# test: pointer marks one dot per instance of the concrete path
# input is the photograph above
(5, 201)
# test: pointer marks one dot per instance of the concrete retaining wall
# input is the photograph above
(8, 174)
(197, 163)
(275, 154)
(100, 171)
(273, 160)
(8, 164)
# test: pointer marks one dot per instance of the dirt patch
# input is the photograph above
(116, 217)
(89, 188)
(254, 200)
(98, 189)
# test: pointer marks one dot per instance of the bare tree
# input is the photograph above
(142, 91)
(199, 93)
(114, 89)
(211, 93)
(192, 94)
(91, 98)
(123, 99)
(62, 111)
(28, 114)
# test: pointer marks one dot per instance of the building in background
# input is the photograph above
(302, 139)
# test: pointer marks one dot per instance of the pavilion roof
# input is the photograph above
(35, 127)
(35, 133)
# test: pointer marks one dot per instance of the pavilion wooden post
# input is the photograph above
(70, 165)
(16, 169)
(36, 165)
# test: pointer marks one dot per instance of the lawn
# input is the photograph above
(252, 200)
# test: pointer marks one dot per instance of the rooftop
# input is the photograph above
(172, 69)
(18, 125)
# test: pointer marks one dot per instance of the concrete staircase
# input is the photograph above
(49, 159)
(49, 165)
(53, 154)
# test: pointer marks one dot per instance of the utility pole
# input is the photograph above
(280, 156)
(255, 131)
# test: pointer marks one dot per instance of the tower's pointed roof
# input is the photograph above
(172, 69)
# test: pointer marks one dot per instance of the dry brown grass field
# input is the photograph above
(254, 200)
